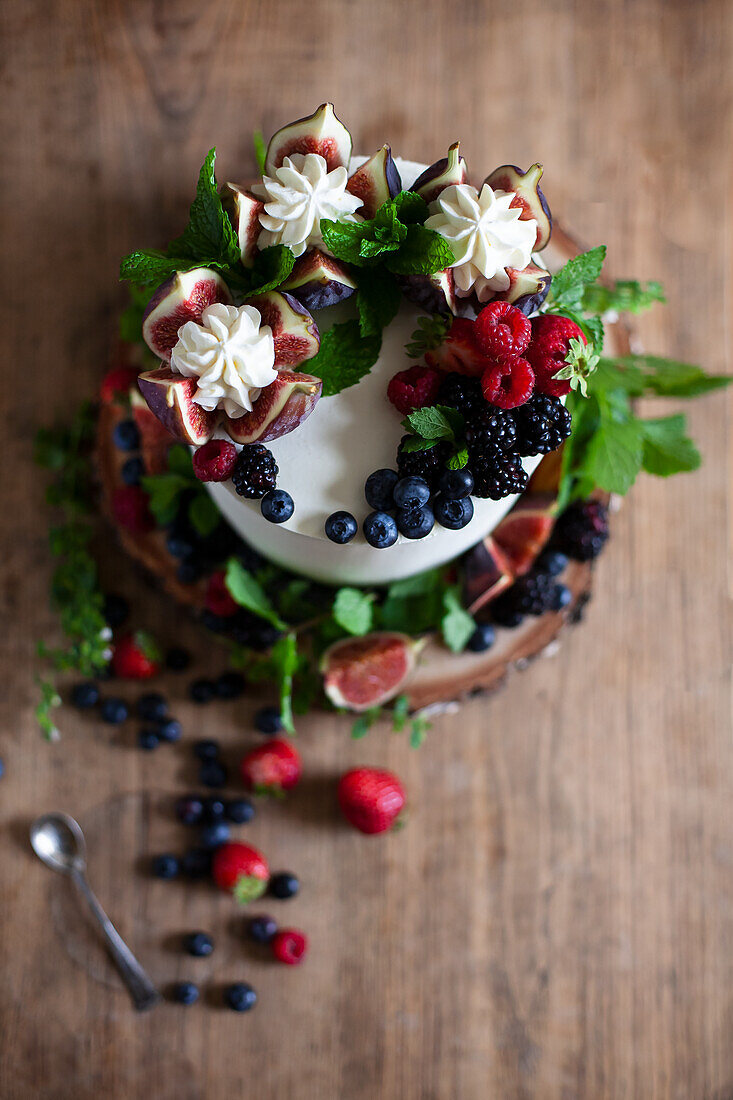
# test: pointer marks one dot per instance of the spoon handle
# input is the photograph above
(142, 991)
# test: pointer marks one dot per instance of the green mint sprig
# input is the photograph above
(430, 333)
(624, 296)
(167, 491)
(435, 424)
(345, 357)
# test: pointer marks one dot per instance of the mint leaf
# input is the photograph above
(378, 299)
(415, 604)
(203, 514)
(415, 443)
(419, 729)
(364, 723)
(260, 149)
(569, 283)
(614, 454)
(429, 334)
(246, 590)
(672, 378)
(209, 232)
(436, 422)
(456, 625)
(180, 461)
(666, 447)
(400, 713)
(344, 240)
(345, 356)
(423, 252)
(352, 609)
(270, 269)
(405, 247)
(149, 267)
(411, 208)
(625, 296)
(459, 459)
(164, 492)
(284, 660)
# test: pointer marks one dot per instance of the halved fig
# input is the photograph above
(376, 181)
(434, 293)
(317, 280)
(244, 214)
(183, 297)
(360, 673)
(320, 133)
(155, 439)
(280, 409)
(528, 288)
(447, 170)
(527, 195)
(486, 573)
(294, 330)
(170, 397)
(524, 532)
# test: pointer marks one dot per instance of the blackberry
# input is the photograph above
(429, 465)
(255, 471)
(543, 423)
(532, 594)
(582, 529)
(497, 475)
(491, 429)
(462, 393)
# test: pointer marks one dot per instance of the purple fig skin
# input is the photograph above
(281, 408)
(243, 210)
(528, 288)
(446, 171)
(485, 574)
(320, 132)
(528, 196)
(170, 397)
(182, 298)
(433, 293)
(294, 330)
(317, 281)
(376, 181)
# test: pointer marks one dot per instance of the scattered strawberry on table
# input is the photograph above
(371, 799)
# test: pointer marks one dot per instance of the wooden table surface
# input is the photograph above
(557, 919)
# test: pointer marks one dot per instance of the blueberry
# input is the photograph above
(177, 660)
(453, 513)
(411, 492)
(170, 730)
(553, 562)
(214, 835)
(202, 691)
(267, 720)
(152, 707)
(240, 811)
(482, 638)
(214, 809)
(379, 489)
(114, 711)
(380, 530)
(189, 571)
(284, 885)
(184, 993)
(178, 546)
(240, 996)
(206, 750)
(165, 866)
(148, 739)
(416, 523)
(196, 863)
(217, 624)
(2, 767)
(85, 695)
(561, 597)
(261, 929)
(509, 618)
(456, 484)
(198, 944)
(132, 471)
(126, 437)
(189, 809)
(212, 773)
(340, 527)
(277, 506)
(115, 610)
(230, 685)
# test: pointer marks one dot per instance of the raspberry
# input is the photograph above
(551, 336)
(255, 471)
(497, 475)
(491, 429)
(428, 465)
(460, 392)
(117, 382)
(219, 600)
(543, 423)
(508, 383)
(215, 460)
(413, 388)
(582, 529)
(131, 509)
(502, 330)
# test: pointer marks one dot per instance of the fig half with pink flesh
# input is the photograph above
(182, 298)
(527, 195)
(320, 133)
(360, 673)
(280, 409)
(446, 171)
(376, 181)
(486, 572)
(243, 210)
(170, 398)
(528, 288)
(317, 280)
(294, 330)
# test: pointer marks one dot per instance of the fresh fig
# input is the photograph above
(320, 133)
(183, 297)
(447, 170)
(294, 330)
(524, 532)
(433, 293)
(360, 673)
(528, 288)
(244, 214)
(376, 181)
(170, 398)
(155, 439)
(527, 195)
(281, 408)
(486, 573)
(317, 280)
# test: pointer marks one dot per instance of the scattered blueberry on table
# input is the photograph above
(268, 720)
(166, 866)
(198, 944)
(85, 696)
(240, 996)
(184, 993)
(261, 928)
(284, 885)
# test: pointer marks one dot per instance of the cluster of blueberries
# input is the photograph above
(406, 506)
(126, 437)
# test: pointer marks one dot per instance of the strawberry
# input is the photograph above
(219, 600)
(117, 383)
(551, 336)
(271, 768)
(371, 799)
(459, 352)
(135, 657)
(240, 870)
(289, 946)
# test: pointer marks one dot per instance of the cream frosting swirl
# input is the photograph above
(230, 353)
(301, 193)
(486, 235)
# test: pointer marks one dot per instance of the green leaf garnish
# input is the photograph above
(456, 625)
(209, 232)
(260, 149)
(625, 296)
(270, 269)
(345, 357)
(666, 448)
(353, 610)
(247, 591)
(378, 299)
(429, 334)
(569, 283)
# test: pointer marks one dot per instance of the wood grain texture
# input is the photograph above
(557, 921)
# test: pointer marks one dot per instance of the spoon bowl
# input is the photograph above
(58, 841)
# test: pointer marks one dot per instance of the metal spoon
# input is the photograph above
(59, 842)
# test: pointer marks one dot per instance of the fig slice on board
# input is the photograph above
(527, 195)
(360, 673)
(523, 533)
(317, 280)
(280, 409)
(182, 298)
(375, 181)
(486, 572)
(243, 210)
(446, 171)
(320, 133)
(294, 330)
(170, 398)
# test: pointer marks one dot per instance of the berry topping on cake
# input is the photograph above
(411, 492)
(453, 513)
(508, 383)
(380, 530)
(341, 527)
(543, 424)
(548, 350)
(215, 460)
(414, 388)
(415, 522)
(277, 506)
(491, 429)
(428, 465)
(459, 351)
(371, 799)
(255, 471)
(497, 475)
(379, 489)
(501, 330)
(462, 393)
